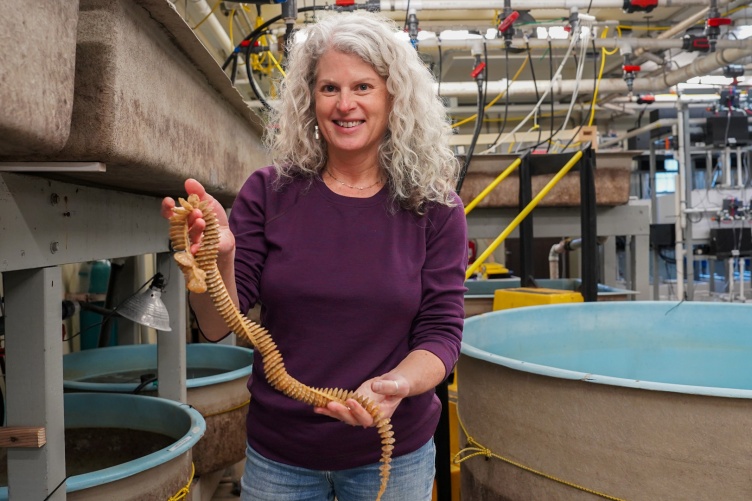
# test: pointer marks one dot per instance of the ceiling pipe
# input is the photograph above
(677, 29)
(211, 28)
(663, 122)
(702, 66)
(387, 5)
(431, 44)
(674, 31)
(526, 89)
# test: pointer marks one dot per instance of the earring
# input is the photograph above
(316, 131)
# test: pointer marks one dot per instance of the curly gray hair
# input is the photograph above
(414, 154)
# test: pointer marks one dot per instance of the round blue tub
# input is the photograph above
(636, 400)
(155, 476)
(216, 387)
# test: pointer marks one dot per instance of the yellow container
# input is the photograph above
(505, 299)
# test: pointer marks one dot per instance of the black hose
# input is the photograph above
(476, 134)
(254, 35)
(146, 379)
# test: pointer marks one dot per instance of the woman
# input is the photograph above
(354, 244)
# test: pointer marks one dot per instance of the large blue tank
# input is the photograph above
(634, 400)
(216, 387)
(154, 435)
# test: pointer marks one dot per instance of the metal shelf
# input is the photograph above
(44, 224)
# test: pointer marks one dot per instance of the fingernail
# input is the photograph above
(377, 386)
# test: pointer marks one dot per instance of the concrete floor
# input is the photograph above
(220, 486)
(224, 492)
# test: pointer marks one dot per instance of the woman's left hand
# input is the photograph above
(386, 392)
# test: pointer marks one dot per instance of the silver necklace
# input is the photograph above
(378, 181)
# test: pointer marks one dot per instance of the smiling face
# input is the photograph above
(352, 106)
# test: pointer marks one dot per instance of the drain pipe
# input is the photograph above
(557, 250)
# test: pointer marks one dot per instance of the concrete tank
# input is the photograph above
(640, 401)
(125, 447)
(216, 386)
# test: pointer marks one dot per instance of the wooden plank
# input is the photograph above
(23, 436)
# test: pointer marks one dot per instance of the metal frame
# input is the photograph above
(43, 224)
(532, 165)
(631, 220)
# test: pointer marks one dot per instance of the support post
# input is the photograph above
(527, 269)
(688, 178)
(171, 358)
(654, 255)
(34, 381)
(589, 227)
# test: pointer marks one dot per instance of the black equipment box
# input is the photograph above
(727, 130)
(724, 241)
(662, 235)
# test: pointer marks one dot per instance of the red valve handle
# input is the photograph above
(509, 21)
(476, 71)
(715, 22)
(628, 67)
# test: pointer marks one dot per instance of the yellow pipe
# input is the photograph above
(522, 215)
(494, 184)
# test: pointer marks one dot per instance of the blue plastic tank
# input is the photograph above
(155, 476)
(216, 386)
(634, 400)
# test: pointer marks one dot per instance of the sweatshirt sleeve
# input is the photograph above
(438, 326)
(247, 221)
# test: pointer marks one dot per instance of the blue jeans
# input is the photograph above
(411, 478)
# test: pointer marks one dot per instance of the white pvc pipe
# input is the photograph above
(663, 122)
(430, 45)
(677, 29)
(741, 280)
(701, 66)
(679, 248)
(388, 5)
(526, 88)
(679, 192)
(731, 278)
(211, 28)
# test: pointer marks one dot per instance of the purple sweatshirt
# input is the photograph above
(347, 289)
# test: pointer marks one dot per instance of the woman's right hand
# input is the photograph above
(197, 224)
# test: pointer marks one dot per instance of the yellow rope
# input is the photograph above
(182, 493)
(477, 449)
(208, 15)
(228, 410)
